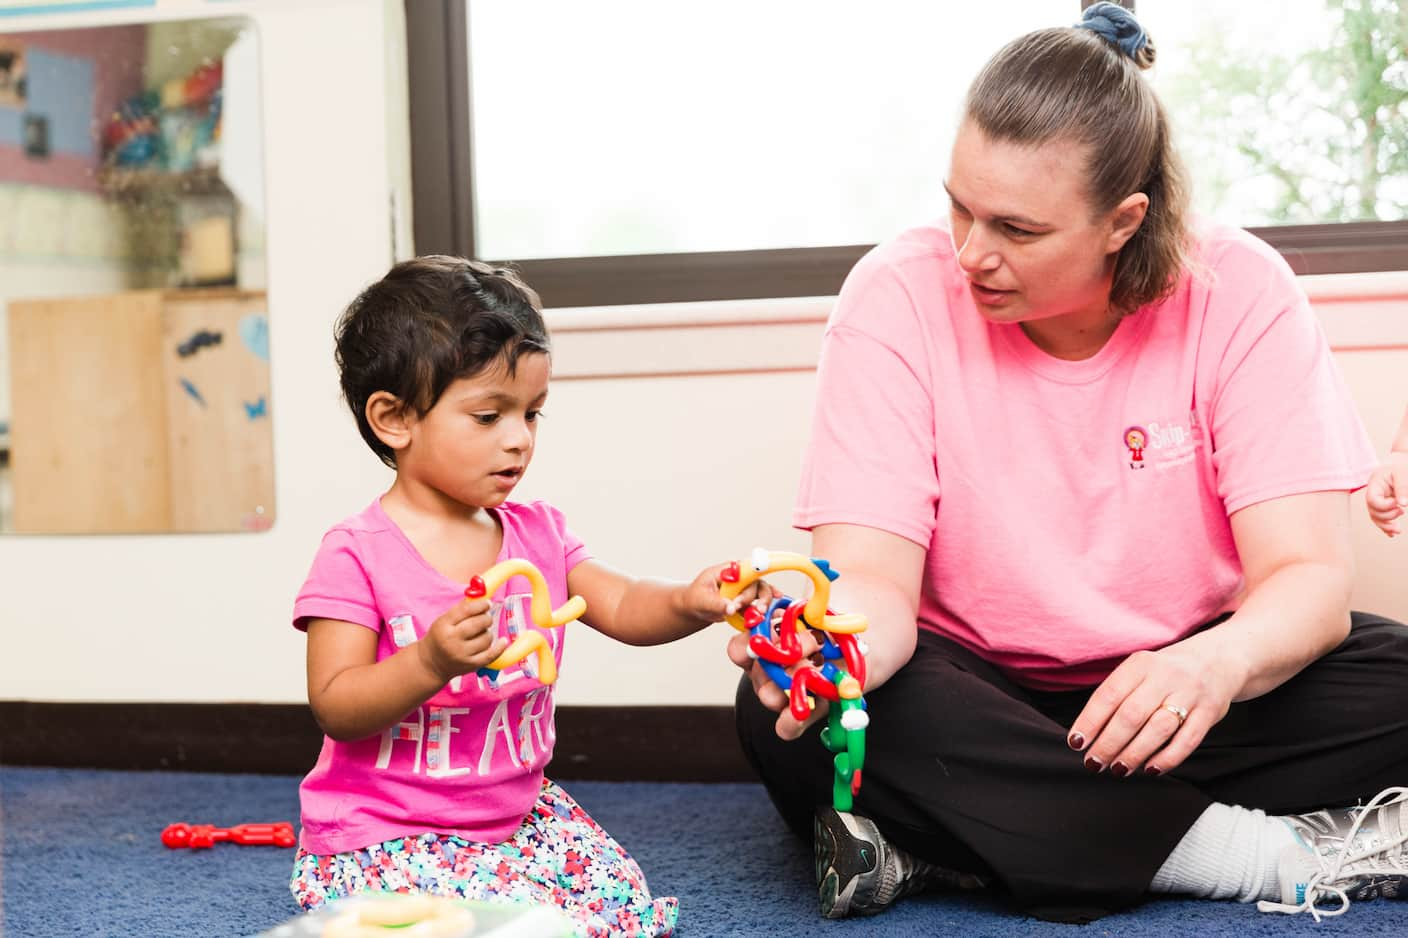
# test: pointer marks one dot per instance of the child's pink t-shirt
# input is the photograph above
(1073, 512)
(469, 761)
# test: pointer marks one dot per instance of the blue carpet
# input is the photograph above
(81, 856)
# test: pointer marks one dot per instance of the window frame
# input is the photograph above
(442, 194)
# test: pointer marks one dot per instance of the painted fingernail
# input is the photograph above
(1076, 741)
(1153, 770)
(1119, 770)
(1094, 765)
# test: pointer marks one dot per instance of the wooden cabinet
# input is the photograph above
(146, 411)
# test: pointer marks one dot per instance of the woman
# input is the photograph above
(1086, 468)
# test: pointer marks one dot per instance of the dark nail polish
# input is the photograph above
(1094, 765)
(1076, 741)
(1153, 770)
(1119, 770)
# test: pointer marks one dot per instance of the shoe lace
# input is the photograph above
(1384, 857)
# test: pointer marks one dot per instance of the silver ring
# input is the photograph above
(1177, 711)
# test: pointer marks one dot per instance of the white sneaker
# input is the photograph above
(1351, 853)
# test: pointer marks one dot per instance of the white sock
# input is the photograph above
(1230, 852)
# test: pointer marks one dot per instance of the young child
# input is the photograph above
(1387, 492)
(431, 778)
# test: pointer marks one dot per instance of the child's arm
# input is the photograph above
(652, 612)
(354, 696)
(1387, 493)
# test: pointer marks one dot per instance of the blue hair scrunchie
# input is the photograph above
(1115, 24)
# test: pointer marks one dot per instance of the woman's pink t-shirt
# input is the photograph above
(469, 761)
(1073, 511)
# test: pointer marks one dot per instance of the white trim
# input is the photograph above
(1383, 284)
(1359, 312)
(716, 313)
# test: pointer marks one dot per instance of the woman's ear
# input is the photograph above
(390, 419)
(1125, 220)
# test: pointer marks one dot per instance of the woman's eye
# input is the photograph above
(1017, 232)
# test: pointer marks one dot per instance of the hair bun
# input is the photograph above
(1117, 26)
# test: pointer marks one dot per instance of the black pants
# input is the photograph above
(966, 769)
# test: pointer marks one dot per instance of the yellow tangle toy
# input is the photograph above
(540, 611)
(818, 571)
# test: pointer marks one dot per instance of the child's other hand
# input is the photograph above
(462, 640)
(1387, 493)
(703, 602)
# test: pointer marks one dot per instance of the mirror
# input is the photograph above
(134, 341)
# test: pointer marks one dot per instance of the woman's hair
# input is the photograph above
(1083, 84)
(430, 321)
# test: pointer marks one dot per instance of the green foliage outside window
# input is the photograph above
(1311, 137)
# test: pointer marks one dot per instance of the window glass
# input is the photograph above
(640, 127)
(1288, 113)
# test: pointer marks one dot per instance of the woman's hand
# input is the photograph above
(1155, 708)
(769, 694)
(1386, 495)
(461, 640)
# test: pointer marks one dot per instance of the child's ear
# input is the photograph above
(390, 419)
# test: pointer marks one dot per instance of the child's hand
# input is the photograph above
(702, 601)
(461, 641)
(1387, 493)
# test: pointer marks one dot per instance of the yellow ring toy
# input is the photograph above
(540, 611)
(773, 561)
(409, 916)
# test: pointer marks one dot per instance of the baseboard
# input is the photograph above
(643, 744)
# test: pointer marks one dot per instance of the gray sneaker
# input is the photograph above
(1347, 854)
(859, 872)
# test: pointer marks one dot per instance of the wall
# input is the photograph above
(673, 436)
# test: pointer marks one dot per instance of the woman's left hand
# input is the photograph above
(1154, 709)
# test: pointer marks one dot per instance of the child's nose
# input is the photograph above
(519, 435)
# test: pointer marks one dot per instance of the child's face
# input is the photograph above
(475, 444)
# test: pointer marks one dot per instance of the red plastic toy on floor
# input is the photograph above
(197, 836)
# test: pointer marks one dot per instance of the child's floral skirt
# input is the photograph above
(559, 856)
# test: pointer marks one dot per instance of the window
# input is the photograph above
(633, 151)
(1294, 124)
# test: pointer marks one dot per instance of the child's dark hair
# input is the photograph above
(431, 321)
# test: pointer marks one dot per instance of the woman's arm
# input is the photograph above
(1298, 562)
(1299, 566)
(881, 574)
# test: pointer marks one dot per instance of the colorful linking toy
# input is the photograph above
(773, 641)
(540, 610)
(203, 836)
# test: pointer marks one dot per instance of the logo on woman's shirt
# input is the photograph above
(1162, 444)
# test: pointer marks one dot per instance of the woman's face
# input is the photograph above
(1024, 232)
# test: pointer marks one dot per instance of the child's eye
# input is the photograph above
(533, 415)
(485, 420)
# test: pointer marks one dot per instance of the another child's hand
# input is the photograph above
(461, 641)
(702, 601)
(1387, 493)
